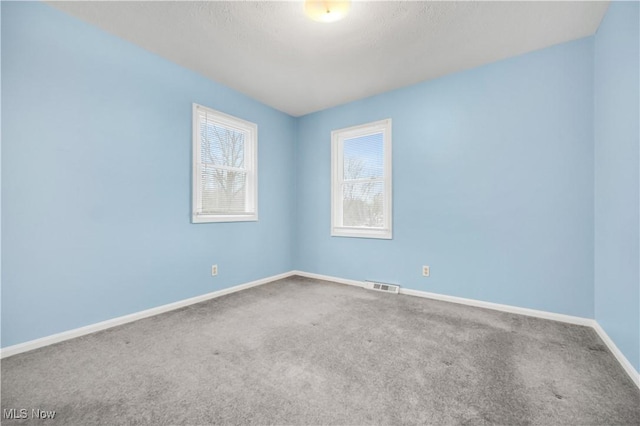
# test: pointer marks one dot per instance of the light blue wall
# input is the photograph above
(493, 184)
(617, 189)
(493, 181)
(96, 180)
(0, 173)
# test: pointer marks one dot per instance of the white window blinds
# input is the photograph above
(225, 175)
(363, 184)
(361, 181)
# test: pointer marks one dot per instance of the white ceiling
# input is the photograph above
(272, 52)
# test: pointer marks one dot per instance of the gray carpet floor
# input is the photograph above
(303, 352)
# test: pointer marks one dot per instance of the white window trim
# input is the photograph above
(337, 179)
(251, 158)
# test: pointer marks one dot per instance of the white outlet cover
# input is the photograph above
(425, 271)
(214, 270)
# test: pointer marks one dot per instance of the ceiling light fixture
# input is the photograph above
(326, 10)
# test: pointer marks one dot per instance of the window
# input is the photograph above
(361, 181)
(225, 175)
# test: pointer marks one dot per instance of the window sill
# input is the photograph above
(377, 233)
(223, 218)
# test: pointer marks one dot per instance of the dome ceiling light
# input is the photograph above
(326, 10)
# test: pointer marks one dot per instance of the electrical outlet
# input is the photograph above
(214, 270)
(425, 271)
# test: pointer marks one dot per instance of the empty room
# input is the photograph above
(320, 213)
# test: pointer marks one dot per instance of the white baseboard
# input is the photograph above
(500, 307)
(589, 322)
(329, 278)
(66, 335)
(462, 301)
(92, 328)
(624, 362)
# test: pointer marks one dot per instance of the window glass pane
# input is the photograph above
(364, 157)
(363, 204)
(223, 191)
(221, 145)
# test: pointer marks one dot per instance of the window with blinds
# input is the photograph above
(361, 190)
(224, 167)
